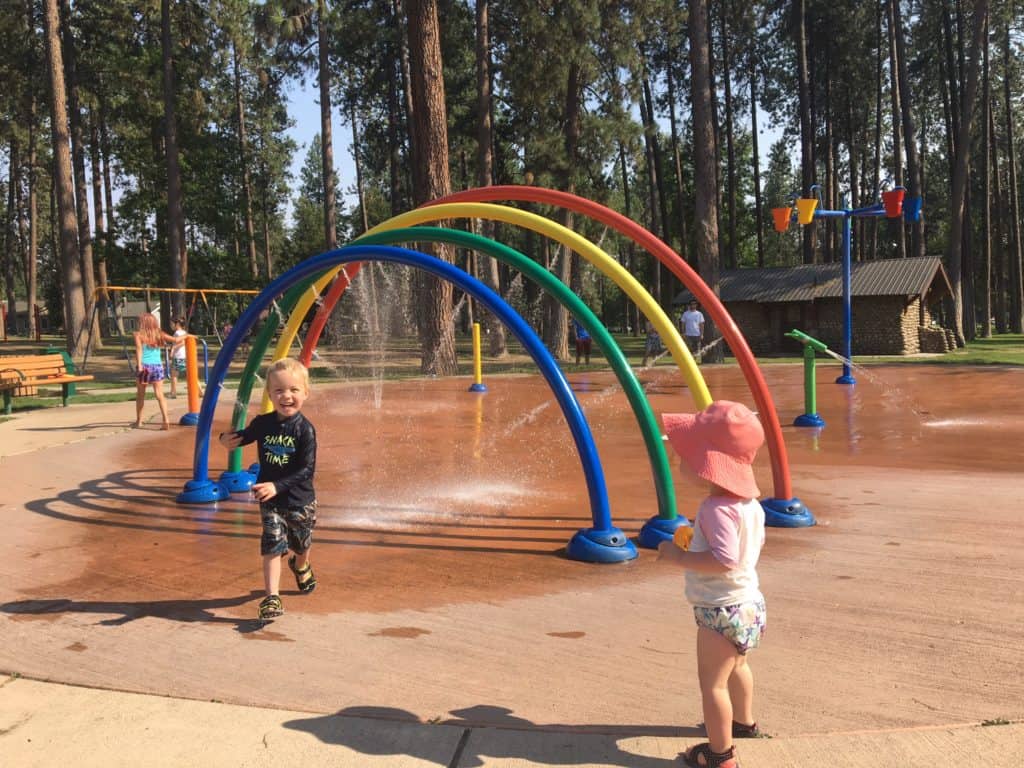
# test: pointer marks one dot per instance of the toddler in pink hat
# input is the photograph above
(719, 445)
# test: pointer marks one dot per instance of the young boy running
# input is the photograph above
(284, 488)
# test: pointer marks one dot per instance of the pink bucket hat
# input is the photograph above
(719, 444)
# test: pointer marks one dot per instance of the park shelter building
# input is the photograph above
(898, 306)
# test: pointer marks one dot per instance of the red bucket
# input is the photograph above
(893, 201)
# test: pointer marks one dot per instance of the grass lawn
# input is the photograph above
(114, 381)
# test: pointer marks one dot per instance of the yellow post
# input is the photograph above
(478, 375)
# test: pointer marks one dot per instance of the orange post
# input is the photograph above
(192, 373)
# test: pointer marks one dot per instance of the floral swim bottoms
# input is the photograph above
(743, 624)
(150, 374)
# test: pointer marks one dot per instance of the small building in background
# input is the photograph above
(898, 306)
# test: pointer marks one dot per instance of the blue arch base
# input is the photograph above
(237, 482)
(658, 529)
(202, 492)
(608, 546)
(477, 387)
(787, 513)
(189, 420)
(808, 420)
(846, 378)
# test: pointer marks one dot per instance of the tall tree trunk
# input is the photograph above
(32, 268)
(431, 178)
(32, 254)
(326, 141)
(730, 150)
(1001, 228)
(74, 302)
(706, 201)
(557, 332)
(497, 345)
(986, 91)
(10, 227)
(243, 158)
(653, 166)
(806, 127)
(395, 87)
(631, 311)
(175, 209)
(896, 225)
(959, 185)
(81, 185)
(914, 182)
(830, 233)
(758, 202)
(98, 218)
(876, 190)
(677, 157)
(1015, 287)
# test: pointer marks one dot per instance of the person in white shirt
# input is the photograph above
(178, 354)
(720, 558)
(692, 322)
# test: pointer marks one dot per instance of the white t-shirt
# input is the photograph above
(692, 321)
(733, 530)
(179, 352)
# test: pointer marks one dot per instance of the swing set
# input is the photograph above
(203, 308)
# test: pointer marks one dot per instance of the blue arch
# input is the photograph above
(603, 542)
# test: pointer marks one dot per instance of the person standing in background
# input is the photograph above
(692, 322)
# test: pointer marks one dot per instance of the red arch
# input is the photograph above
(316, 325)
(682, 270)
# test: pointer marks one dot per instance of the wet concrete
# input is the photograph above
(444, 585)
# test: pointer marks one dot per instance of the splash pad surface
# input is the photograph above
(443, 591)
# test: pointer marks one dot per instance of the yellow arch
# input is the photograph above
(601, 260)
(291, 328)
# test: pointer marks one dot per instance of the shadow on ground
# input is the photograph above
(484, 732)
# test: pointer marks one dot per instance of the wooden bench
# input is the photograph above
(22, 375)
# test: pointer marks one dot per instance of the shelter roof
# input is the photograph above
(807, 282)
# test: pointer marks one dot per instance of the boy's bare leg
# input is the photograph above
(741, 692)
(716, 660)
(272, 574)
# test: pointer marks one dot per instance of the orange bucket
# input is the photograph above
(805, 209)
(893, 201)
(780, 217)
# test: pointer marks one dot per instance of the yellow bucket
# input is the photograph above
(805, 209)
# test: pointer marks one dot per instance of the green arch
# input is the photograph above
(627, 379)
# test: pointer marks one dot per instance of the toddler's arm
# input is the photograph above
(702, 562)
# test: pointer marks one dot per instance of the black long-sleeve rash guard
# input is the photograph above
(287, 451)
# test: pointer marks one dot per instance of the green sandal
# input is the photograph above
(307, 584)
(270, 608)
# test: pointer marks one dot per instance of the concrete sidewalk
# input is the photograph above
(50, 724)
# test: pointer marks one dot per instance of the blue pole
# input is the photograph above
(603, 543)
(847, 377)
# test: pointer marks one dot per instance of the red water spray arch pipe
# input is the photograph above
(657, 248)
(675, 263)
